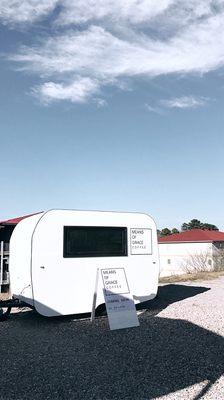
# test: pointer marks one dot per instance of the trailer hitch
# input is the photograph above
(4, 313)
(7, 305)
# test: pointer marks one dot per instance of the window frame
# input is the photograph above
(92, 254)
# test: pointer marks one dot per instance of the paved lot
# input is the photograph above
(176, 353)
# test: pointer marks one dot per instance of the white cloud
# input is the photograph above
(153, 109)
(133, 11)
(98, 52)
(78, 91)
(184, 102)
(118, 40)
(101, 103)
(82, 11)
(18, 11)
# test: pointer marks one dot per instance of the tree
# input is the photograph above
(193, 224)
(196, 224)
(165, 232)
(184, 227)
(210, 227)
(198, 262)
(188, 226)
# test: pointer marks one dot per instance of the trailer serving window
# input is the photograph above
(95, 241)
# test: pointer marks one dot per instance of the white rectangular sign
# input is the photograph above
(119, 302)
(141, 241)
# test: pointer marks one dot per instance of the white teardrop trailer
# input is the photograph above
(54, 257)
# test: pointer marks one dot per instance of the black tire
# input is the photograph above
(101, 310)
(4, 313)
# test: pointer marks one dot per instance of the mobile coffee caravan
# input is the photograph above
(54, 257)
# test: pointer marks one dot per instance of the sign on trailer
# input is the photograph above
(141, 241)
(119, 302)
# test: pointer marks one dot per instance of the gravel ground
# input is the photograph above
(176, 353)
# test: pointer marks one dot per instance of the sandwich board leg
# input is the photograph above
(95, 296)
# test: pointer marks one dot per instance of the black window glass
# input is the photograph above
(90, 241)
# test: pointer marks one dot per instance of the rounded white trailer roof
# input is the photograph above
(29, 224)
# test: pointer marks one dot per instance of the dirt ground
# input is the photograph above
(175, 354)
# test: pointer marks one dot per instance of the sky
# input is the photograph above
(108, 105)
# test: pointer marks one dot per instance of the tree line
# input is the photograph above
(188, 226)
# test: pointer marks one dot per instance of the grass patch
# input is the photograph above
(192, 277)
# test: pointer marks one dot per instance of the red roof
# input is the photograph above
(15, 221)
(195, 235)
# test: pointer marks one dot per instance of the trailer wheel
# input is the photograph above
(4, 313)
(101, 310)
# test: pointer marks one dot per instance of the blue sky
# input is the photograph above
(113, 108)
